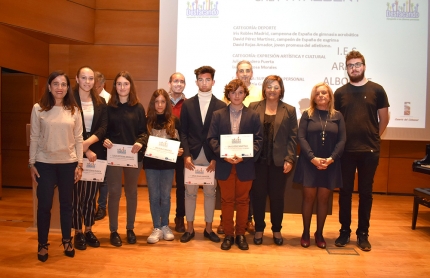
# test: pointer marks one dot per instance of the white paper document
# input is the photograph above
(120, 155)
(162, 148)
(94, 171)
(241, 145)
(199, 176)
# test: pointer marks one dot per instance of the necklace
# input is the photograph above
(323, 128)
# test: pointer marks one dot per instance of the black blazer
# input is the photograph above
(249, 124)
(193, 131)
(285, 133)
(98, 126)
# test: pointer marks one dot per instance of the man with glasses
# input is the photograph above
(196, 116)
(177, 97)
(103, 189)
(364, 105)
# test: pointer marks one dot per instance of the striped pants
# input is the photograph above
(84, 203)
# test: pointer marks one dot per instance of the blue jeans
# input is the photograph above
(159, 187)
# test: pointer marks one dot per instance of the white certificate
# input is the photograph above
(94, 171)
(162, 148)
(241, 145)
(199, 176)
(120, 155)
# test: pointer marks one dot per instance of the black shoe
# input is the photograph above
(278, 241)
(68, 244)
(363, 242)
(42, 258)
(241, 242)
(131, 237)
(227, 243)
(343, 238)
(212, 236)
(80, 242)
(91, 239)
(258, 241)
(187, 236)
(100, 214)
(115, 240)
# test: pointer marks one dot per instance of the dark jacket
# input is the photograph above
(249, 124)
(98, 126)
(193, 131)
(285, 131)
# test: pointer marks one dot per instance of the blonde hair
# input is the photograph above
(313, 105)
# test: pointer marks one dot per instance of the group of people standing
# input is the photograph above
(338, 134)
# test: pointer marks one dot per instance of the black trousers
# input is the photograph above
(270, 180)
(51, 175)
(180, 187)
(365, 163)
(84, 203)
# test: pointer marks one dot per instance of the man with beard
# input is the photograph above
(364, 105)
(196, 116)
(177, 97)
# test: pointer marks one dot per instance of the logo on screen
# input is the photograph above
(407, 10)
(202, 8)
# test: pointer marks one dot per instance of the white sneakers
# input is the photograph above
(167, 233)
(158, 234)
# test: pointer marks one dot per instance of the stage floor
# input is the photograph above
(397, 250)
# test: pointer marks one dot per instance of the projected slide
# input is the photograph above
(305, 42)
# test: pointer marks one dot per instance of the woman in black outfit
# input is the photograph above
(322, 139)
(94, 121)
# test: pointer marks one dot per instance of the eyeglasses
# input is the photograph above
(356, 65)
(57, 84)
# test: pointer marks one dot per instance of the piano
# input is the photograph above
(421, 195)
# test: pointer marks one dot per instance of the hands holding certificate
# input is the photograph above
(135, 149)
(188, 162)
(234, 160)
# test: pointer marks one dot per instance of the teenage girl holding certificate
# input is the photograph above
(159, 173)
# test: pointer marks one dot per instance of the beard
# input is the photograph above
(356, 78)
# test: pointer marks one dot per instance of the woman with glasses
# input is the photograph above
(276, 158)
(322, 138)
(94, 120)
(126, 126)
(55, 157)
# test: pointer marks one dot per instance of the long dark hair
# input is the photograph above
(132, 97)
(152, 113)
(94, 96)
(47, 100)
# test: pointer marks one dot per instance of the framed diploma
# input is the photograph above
(94, 171)
(162, 148)
(120, 155)
(241, 145)
(199, 176)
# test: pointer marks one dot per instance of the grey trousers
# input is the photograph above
(114, 181)
(209, 192)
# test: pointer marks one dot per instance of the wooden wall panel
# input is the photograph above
(87, 3)
(401, 178)
(17, 93)
(136, 5)
(408, 149)
(59, 58)
(13, 130)
(14, 168)
(385, 148)
(23, 53)
(56, 17)
(126, 27)
(380, 182)
(140, 61)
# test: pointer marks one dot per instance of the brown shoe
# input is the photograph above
(250, 227)
(179, 224)
(220, 229)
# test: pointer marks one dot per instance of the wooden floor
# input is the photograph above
(397, 251)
